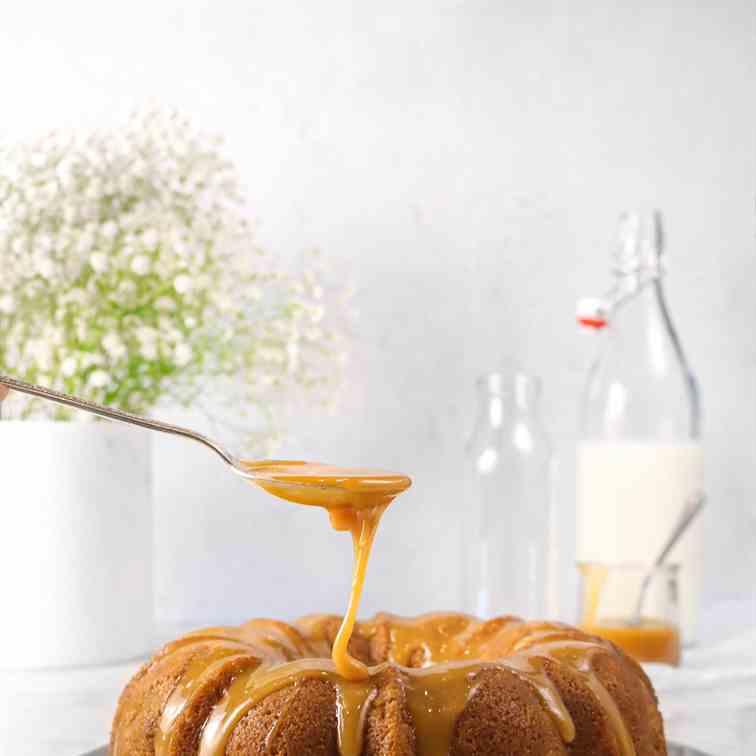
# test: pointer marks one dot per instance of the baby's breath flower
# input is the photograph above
(114, 346)
(127, 289)
(99, 379)
(165, 304)
(140, 265)
(99, 262)
(110, 230)
(44, 242)
(68, 367)
(44, 266)
(90, 360)
(182, 354)
(183, 284)
(146, 334)
(126, 256)
(148, 350)
(6, 304)
(150, 238)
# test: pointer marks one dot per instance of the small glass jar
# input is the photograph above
(507, 543)
(633, 605)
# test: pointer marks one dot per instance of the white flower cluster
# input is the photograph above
(129, 272)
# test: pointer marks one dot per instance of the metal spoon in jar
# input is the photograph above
(690, 511)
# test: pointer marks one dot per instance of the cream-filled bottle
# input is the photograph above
(639, 457)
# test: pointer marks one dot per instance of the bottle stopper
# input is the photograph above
(592, 312)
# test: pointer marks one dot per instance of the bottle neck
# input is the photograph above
(500, 399)
(637, 261)
(640, 312)
(641, 378)
(642, 291)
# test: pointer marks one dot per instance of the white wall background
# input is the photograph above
(465, 162)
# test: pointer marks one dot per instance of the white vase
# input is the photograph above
(76, 543)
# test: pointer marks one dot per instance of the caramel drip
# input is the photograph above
(579, 655)
(435, 699)
(353, 700)
(226, 647)
(247, 690)
(418, 643)
(617, 723)
(270, 738)
(442, 637)
(281, 636)
(531, 670)
(355, 499)
(317, 628)
(363, 525)
(198, 672)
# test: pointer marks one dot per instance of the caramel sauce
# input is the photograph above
(650, 641)
(436, 697)
(438, 657)
(362, 524)
(645, 639)
(352, 706)
(355, 499)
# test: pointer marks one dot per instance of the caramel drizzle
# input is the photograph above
(435, 694)
(355, 499)
(440, 637)
(352, 706)
(579, 655)
(198, 673)
(436, 697)
(363, 525)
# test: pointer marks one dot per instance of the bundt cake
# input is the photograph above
(438, 684)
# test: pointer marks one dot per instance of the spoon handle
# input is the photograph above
(692, 507)
(113, 414)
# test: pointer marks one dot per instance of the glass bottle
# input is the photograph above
(506, 533)
(639, 457)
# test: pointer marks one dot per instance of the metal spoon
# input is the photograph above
(691, 509)
(330, 489)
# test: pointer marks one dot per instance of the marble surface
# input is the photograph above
(709, 703)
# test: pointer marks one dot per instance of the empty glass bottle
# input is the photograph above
(507, 535)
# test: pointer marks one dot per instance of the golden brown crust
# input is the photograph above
(592, 724)
(143, 700)
(505, 716)
(188, 728)
(300, 719)
(389, 729)
(631, 689)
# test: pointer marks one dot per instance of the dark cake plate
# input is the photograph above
(674, 750)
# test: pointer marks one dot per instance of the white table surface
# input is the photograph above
(710, 703)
